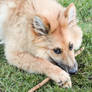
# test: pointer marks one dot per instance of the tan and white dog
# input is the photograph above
(38, 33)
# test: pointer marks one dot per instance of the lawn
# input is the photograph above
(16, 80)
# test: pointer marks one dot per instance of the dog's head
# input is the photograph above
(57, 45)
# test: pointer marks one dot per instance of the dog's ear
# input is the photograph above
(70, 14)
(40, 26)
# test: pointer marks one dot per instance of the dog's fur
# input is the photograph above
(32, 29)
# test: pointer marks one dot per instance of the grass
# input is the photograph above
(16, 80)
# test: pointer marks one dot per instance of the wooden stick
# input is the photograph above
(39, 85)
(79, 51)
(47, 79)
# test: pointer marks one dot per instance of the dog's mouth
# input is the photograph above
(61, 65)
(64, 67)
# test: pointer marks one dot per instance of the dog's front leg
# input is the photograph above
(26, 61)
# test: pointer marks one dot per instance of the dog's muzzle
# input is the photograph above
(74, 69)
(70, 70)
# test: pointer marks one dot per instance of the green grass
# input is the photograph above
(15, 80)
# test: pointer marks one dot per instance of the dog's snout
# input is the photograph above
(74, 69)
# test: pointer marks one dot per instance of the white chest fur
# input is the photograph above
(3, 16)
(4, 9)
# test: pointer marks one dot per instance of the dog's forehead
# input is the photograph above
(62, 36)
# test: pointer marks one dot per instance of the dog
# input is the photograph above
(40, 36)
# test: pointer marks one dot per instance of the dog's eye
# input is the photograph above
(57, 50)
(70, 46)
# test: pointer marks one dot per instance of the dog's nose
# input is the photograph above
(74, 69)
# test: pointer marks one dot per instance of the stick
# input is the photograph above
(47, 79)
(39, 85)
(79, 51)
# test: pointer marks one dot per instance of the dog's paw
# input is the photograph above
(64, 80)
(61, 77)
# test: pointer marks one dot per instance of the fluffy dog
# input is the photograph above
(38, 33)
